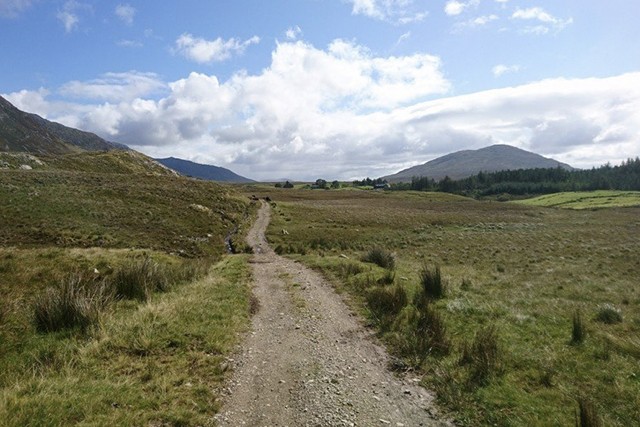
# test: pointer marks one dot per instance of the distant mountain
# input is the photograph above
(197, 170)
(30, 133)
(466, 163)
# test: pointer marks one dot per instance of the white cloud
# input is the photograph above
(130, 43)
(206, 51)
(398, 12)
(546, 21)
(115, 87)
(293, 33)
(12, 8)
(479, 21)
(343, 112)
(501, 69)
(69, 16)
(455, 7)
(126, 13)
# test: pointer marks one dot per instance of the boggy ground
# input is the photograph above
(308, 361)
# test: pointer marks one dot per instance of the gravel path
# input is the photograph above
(308, 361)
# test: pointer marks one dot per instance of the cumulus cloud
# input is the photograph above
(12, 8)
(545, 21)
(126, 13)
(343, 112)
(395, 11)
(455, 7)
(501, 69)
(205, 51)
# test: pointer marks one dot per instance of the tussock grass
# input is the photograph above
(432, 285)
(139, 279)
(579, 330)
(386, 303)
(380, 257)
(483, 356)
(609, 314)
(75, 303)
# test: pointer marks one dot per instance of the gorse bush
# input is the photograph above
(137, 280)
(75, 303)
(381, 257)
(609, 314)
(483, 356)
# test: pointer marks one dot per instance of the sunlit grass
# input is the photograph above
(586, 200)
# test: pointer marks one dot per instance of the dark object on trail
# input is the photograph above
(253, 198)
(267, 199)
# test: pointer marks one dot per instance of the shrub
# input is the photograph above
(432, 286)
(386, 303)
(381, 257)
(609, 314)
(587, 415)
(579, 332)
(75, 303)
(483, 356)
(139, 279)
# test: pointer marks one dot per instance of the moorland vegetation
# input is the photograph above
(118, 306)
(513, 314)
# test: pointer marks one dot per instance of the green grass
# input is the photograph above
(514, 273)
(160, 363)
(111, 312)
(586, 200)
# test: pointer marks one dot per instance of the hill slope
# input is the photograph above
(30, 133)
(465, 163)
(197, 170)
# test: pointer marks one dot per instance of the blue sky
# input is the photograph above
(338, 89)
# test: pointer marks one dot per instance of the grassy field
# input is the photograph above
(541, 310)
(586, 200)
(118, 303)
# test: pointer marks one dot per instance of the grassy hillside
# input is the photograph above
(118, 304)
(540, 309)
(586, 200)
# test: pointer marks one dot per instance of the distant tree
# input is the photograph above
(278, 185)
(321, 183)
(287, 185)
(335, 184)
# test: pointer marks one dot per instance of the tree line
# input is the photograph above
(537, 181)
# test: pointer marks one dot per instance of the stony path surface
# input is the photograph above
(308, 361)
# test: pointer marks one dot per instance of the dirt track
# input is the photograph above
(308, 361)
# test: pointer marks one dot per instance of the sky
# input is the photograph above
(332, 89)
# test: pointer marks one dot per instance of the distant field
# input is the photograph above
(586, 200)
(522, 269)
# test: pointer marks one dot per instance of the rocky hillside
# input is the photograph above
(30, 133)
